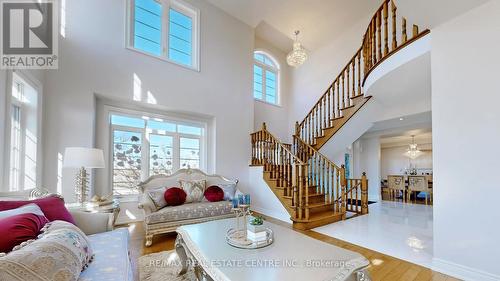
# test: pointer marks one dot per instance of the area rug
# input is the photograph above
(163, 266)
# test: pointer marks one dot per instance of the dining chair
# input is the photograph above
(419, 184)
(396, 184)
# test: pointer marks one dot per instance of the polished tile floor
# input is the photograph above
(397, 229)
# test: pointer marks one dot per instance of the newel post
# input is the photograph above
(297, 129)
(305, 186)
(297, 190)
(264, 127)
(364, 194)
(343, 190)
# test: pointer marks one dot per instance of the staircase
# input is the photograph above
(314, 190)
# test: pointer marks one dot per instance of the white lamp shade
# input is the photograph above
(77, 157)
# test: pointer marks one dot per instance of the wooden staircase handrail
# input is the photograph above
(382, 39)
(332, 85)
(297, 138)
(286, 147)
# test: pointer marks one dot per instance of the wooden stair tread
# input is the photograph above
(357, 96)
(310, 195)
(320, 216)
(347, 107)
(317, 205)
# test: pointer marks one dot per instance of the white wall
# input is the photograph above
(94, 60)
(275, 116)
(263, 199)
(466, 134)
(394, 162)
(366, 158)
(310, 80)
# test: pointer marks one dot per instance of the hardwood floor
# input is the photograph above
(382, 267)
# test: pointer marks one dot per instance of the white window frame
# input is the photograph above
(145, 146)
(180, 6)
(265, 67)
(25, 78)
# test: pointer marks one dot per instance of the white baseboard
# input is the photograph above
(271, 213)
(463, 272)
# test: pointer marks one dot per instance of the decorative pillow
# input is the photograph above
(214, 194)
(175, 196)
(26, 209)
(229, 190)
(17, 229)
(56, 225)
(157, 195)
(61, 253)
(194, 190)
(51, 206)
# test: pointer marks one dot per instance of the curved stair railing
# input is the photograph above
(344, 95)
(313, 189)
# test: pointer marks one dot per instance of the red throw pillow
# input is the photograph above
(175, 196)
(19, 228)
(52, 206)
(214, 194)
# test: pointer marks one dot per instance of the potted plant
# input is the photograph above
(256, 224)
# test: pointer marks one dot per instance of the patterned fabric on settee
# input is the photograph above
(111, 261)
(190, 211)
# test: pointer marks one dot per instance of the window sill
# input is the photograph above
(268, 103)
(194, 68)
(128, 198)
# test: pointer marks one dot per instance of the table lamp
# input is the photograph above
(82, 158)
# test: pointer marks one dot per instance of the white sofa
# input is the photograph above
(111, 261)
(167, 219)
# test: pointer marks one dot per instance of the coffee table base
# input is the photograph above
(187, 259)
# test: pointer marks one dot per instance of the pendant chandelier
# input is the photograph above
(413, 151)
(298, 55)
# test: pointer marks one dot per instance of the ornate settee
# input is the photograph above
(167, 219)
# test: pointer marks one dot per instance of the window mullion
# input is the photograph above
(264, 98)
(22, 148)
(165, 27)
(145, 148)
(176, 153)
(131, 25)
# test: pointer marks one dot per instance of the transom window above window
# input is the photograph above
(265, 78)
(167, 29)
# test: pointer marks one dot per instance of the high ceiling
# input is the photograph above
(319, 21)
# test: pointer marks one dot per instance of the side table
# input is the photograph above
(112, 208)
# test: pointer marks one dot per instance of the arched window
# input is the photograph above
(265, 78)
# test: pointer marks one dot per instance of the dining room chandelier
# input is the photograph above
(298, 55)
(413, 151)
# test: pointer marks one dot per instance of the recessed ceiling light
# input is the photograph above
(401, 119)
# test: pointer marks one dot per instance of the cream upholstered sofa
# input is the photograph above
(167, 219)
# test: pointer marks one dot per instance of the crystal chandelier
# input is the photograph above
(298, 55)
(413, 151)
